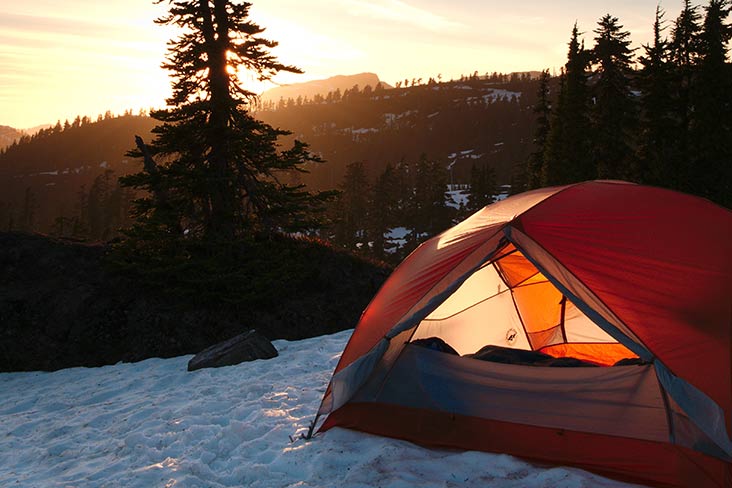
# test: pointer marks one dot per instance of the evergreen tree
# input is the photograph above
(542, 109)
(98, 206)
(614, 112)
(352, 206)
(482, 187)
(685, 53)
(568, 145)
(711, 119)
(80, 221)
(658, 163)
(383, 207)
(213, 172)
(429, 212)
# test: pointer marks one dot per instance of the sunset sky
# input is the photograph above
(83, 57)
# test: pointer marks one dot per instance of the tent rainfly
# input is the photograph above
(627, 287)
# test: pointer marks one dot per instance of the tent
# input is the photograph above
(632, 282)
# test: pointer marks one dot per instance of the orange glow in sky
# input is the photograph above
(84, 57)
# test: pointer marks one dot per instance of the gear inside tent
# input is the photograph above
(509, 302)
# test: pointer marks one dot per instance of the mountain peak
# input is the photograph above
(322, 87)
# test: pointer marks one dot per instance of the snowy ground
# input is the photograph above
(152, 424)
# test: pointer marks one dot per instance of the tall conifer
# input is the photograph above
(614, 111)
(352, 206)
(427, 208)
(685, 54)
(482, 187)
(214, 172)
(383, 210)
(568, 145)
(542, 109)
(658, 164)
(711, 120)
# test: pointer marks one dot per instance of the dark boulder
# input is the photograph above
(244, 347)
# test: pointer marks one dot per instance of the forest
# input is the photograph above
(661, 115)
(54, 181)
(423, 154)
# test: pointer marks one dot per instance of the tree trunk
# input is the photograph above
(221, 187)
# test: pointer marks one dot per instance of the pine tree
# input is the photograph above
(429, 213)
(482, 187)
(614, 112)
(685, 54)
(658, 161)
(542, 109)
(80, 221)
(352, 206)
(711, 120)
(568, 146)
(98, 206)
(383, 209)
(213, 172)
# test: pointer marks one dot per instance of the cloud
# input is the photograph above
(59, 25)
(401, 12)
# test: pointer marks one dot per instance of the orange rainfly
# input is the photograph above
(586, 325)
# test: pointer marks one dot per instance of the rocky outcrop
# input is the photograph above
(61, 307)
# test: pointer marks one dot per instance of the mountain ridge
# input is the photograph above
(309, 89)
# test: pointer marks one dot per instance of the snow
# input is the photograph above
(496, 94)
(363, 131)
(465, 154)
(153, 424)
(391, 118)
(397, 237)
(456, 198)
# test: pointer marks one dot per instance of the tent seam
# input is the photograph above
(640, 342)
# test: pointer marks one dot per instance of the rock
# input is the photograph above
(245, 347)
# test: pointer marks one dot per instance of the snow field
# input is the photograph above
(153, 424)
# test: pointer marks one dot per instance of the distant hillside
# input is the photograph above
(468, 122)
(42, 177)
(461, 123)
(310, 89)
(8, 135)
(34, 130)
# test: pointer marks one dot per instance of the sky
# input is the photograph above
(60, 59)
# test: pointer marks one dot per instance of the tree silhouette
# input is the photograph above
(614, 112)
(482, 187)
(657, 141)
(685, 51)
(220, 168)
(711, 119)
(542, 109)
(352, 206)
(568, 145)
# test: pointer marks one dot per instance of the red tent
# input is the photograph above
(631, 284)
